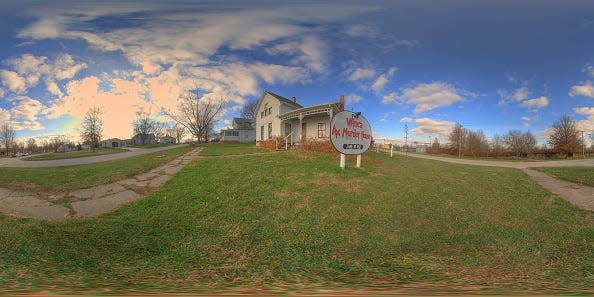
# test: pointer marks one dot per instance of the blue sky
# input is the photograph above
(490, 65)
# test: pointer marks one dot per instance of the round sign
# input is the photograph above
(350, 133)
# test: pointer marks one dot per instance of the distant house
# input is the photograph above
(277, 116)
(244, 130)
(115, 142)
(66, 148)
(167, 139)
(148, 139)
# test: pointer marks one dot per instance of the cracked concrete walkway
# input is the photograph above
(579, 195)
(90, 202)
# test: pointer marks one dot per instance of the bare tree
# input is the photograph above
(144, 126)
(92, 127)
(7, 135)
(476, 143)
(178, 131)
(31, 145)
(248, 111)
(197, 114)
(435, 147)
(57, 141)
(160, 129)
(521, 144)
(457, 138)
(497, 145)
(565, 137)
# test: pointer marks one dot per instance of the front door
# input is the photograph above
(303, 131)
(114, 144)
(287, 129)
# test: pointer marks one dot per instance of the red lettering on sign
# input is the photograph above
(335, 132)
(353, 123)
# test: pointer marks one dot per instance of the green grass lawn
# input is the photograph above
(219, 149)
(293, 220)
(74, 154)
(56, 179)
(580, 175)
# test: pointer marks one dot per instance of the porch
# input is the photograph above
(306, 123)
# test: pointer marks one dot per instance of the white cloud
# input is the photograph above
(53, 88)
(436, 128)
(1, 92)
(588, 111)
(588, 68)
(526, 121)
(586, 124)
(361, 73)
(517, 95)
(353, 98)
(521, 94)
(65, 67)
(383, 79)
(308, 51)
(536, 103)
(406, 120)
(4, 115)
(25, 113)
(29, 70)
(389, 98)
(430, 96)
(585, 89)
(13, 81)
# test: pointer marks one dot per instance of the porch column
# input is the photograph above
(300, 127)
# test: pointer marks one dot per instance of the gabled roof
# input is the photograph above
(279, 98)
(243, 123)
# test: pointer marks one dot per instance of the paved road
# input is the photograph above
(510, 164)
(18, 162)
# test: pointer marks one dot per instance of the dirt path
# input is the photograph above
(579, 195)
(90, 202)
(132, 152)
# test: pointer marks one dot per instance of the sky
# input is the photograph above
(488, 65)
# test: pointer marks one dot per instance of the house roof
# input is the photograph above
(315, 109)
(243, 123)
(279, 98)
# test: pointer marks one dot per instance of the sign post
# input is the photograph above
(350, 135)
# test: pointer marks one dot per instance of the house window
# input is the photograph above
(269, 110)
(266, 109)
(261, 114)
(262, 133)
(321, 130)
(231, 133)
(269, 130)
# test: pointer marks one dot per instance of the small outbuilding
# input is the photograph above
(167, 139)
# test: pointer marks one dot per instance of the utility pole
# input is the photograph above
(405, 138)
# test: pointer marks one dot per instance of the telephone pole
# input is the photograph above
(405, 138)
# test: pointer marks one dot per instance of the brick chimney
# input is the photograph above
(341, 106)
(294, 99)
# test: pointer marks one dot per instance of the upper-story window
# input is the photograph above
(266, 109)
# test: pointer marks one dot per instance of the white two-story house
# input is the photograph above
(277, 116)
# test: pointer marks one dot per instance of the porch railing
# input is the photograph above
(287, 140)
